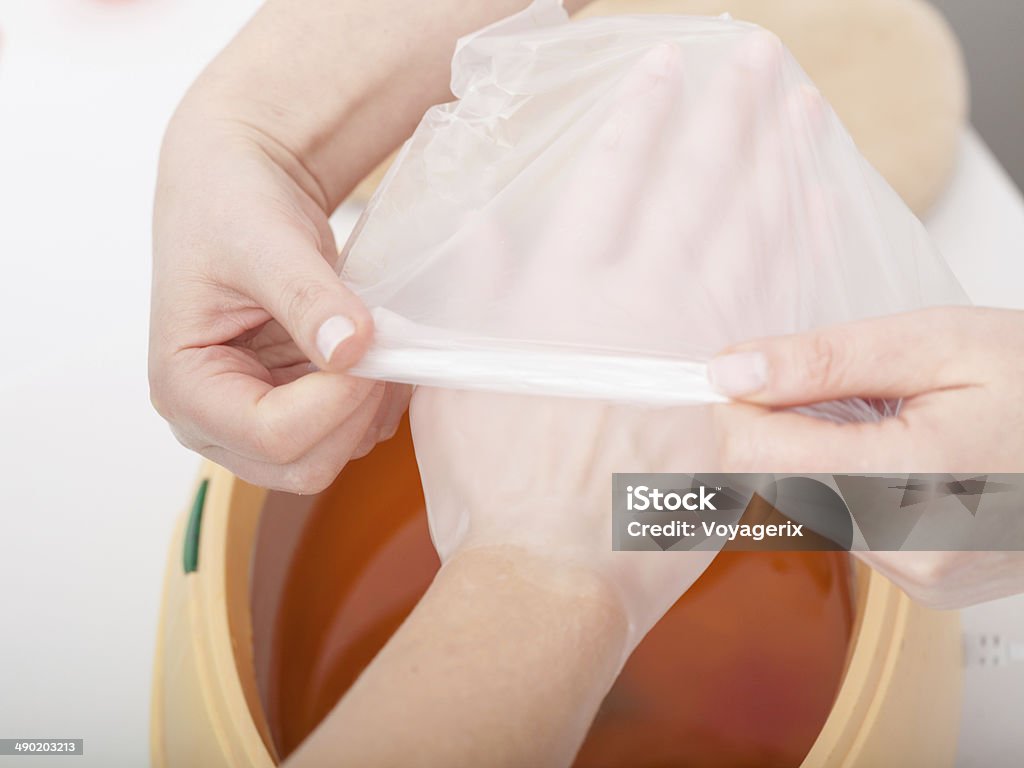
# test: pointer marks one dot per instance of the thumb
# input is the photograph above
(889, 357)
(323, 316)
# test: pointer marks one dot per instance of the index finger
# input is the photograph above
(218, 396)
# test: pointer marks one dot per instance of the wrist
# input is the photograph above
(214, 119)
(301, 83)
(497, 625)
(545, 584)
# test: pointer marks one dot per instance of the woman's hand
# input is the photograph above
(533, 475)
(245, 299)
(302, 104)
(960, 375)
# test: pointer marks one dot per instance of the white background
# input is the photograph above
(90, 478)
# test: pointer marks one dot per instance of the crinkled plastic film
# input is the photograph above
(610, 202)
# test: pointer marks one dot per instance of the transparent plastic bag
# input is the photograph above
(610, 202)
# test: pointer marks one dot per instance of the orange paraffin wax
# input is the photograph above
(741, 672)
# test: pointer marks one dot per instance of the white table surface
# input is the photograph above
(90, 478)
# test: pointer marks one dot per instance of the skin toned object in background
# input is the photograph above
(246, 296)
(892, 70)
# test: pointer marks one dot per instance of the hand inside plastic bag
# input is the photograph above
(679, 213)
(534, 473)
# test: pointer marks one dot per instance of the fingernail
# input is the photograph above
(332, 333)
(741, 373)
(389, 433)
(812, 99)
(761, 50)
(813, 105)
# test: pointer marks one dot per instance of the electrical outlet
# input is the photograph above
(993, 698)
(991, 649)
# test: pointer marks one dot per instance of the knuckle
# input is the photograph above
(301, 296)
(273, 439)
(187, 440)
(363, 449)
(926, 576)
(821, 363)
(922, 573)
(769, 39)
(307, 477)
(276, 445)
(182, 438)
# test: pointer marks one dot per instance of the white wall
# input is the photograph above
(990, 32)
